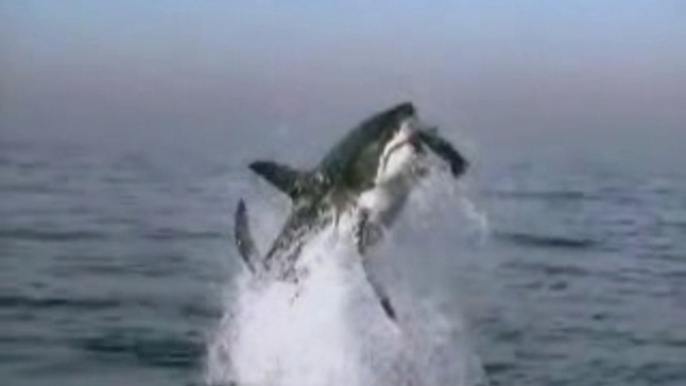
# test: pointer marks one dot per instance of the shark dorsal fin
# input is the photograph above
(285, 178)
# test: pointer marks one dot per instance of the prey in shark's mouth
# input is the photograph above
(369, 174)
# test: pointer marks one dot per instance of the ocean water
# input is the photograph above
(117, 267)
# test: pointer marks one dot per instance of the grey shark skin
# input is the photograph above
(348, 174)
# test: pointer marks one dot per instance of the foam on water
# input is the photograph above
(330, 330)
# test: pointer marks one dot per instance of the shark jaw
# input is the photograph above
(402, 165)
(401, 154)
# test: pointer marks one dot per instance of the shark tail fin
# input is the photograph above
(285, 178)
(243, 238)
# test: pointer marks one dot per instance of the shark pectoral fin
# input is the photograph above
(388, 308)
(380, 292)
(366, 232)
(359, 230)
(444, 149)
(243, 238)
(286, 179)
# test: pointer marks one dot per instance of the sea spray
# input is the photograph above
(330, 330)
(284, 334)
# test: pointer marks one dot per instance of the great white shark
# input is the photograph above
(369, 174)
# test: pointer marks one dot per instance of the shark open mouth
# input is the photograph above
(409, 154)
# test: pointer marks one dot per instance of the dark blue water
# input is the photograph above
(113, 261)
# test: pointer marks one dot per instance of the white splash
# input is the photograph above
(330, 330)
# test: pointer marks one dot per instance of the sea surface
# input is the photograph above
(115, 260)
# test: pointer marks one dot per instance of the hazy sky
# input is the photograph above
(498, 71)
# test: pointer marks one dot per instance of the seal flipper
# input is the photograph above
(444, 149)
(243, 238)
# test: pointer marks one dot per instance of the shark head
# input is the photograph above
(358, 160)
(384, 127)
(402, 153)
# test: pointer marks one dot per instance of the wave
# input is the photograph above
(147, 347)
(53, 235)
(551, 195)
(161, 234)
(545, 241)
(175, 233)
(551, 270)
(26, 302)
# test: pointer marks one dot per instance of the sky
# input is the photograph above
(539, 73)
